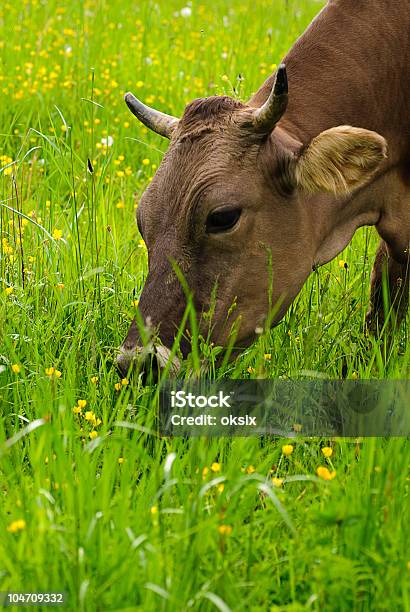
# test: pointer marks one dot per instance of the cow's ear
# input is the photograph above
(340, 160)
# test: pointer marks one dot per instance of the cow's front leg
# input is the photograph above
(396, 277)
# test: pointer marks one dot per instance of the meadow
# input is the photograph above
(93, 501)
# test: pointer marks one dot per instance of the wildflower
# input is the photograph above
(117, 386)
(16, 368)
(325, 473)
(250, 469)
(57, 373)
(125, 382)
(145, 162)
(89, 415)
(154, 509)
(251, 370)
(225, 530)
(60, 285)
(63, 127)
(82, 403)
(225, 78)
(327, 451)
(93, 434)
(342, 264)
(50, 371)
(221, 487)
(287, 449)
(16, 526)
(94, 379)
(107, 142)
(267, 356)
(120, 204)
(57, 234)
(77, 410)
(205, 472)
(277, 482)
(120, 460)
(9, 290)
(135, 303)
(216, 467)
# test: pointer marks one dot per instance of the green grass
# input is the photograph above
(157, 530)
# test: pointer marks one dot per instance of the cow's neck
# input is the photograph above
(350, 67)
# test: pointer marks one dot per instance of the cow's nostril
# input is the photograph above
(125, 360)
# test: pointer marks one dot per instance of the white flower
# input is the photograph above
(107, 142)
(186, 11)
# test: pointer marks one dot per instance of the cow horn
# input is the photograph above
(267, 116)
(154, 120)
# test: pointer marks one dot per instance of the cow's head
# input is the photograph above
(235, 206)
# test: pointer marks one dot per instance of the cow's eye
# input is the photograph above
(222, 220)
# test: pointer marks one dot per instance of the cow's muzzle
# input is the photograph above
(150, 360)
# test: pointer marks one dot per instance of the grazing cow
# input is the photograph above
(251, 198)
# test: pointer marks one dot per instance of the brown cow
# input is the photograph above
(283, 178)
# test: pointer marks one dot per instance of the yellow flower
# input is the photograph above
(154, 509)
(216, 467)
(89, 415)
(251, 370)
(57, 373)
(57, 234)
(93, 434)
(94, 380)
(120, 204)
(16, 368)
(221, 487)
(267, 356)
(60, 285)
(50, 371)
(120, 460)
(342, 264)
(9, 290)
(225, 78)
(287, 449)
(250, 469)
(77, 410)
(277, 482)
(327, 451)
(325, 473)
(225, 530)
(125, 382)
(117, 386)
(145, 162)
(135, 303)
(205, 472)
(16, 526)
(82, 403)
